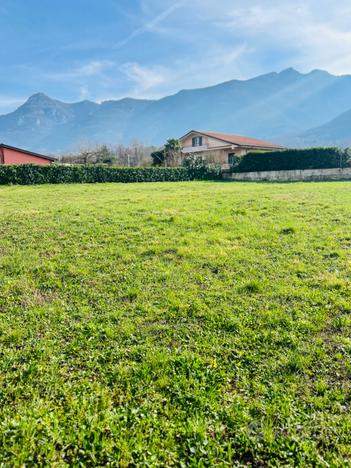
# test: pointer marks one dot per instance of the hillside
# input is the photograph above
(337, 132)
(46, 124)
(275, 106)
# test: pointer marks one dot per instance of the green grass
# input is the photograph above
(175, 324)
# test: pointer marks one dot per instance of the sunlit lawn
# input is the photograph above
(175, 324)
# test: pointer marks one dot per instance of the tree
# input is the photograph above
(172, 151)
(158, 157)
(86, 156)
(135, 154)
(104, 155)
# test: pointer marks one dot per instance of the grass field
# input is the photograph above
(175, 324)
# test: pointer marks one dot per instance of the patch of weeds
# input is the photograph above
(321, 387)
(331, 255)
(251, 287)
(132, 294)
(149, 252)
(332, 281)
(342, 321)
(239, 212)
(170, 252)
(287, 231)
(296, 363)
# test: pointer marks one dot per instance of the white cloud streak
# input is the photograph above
(89, 69)
(145, 78)
(150, 25)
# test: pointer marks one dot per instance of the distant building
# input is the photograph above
(222, 148)
(9, 155)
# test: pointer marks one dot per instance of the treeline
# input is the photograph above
(133, 155)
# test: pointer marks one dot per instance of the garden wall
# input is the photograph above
(292, 176)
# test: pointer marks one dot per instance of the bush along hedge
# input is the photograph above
(312, 158)
(199, 169)
(28, 174)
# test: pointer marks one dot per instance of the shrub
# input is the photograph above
(158, 157)
(198, 168)
(312, 158)
(28, 174)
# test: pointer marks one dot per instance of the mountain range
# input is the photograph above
(291, 108)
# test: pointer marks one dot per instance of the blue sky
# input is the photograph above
(108, 49)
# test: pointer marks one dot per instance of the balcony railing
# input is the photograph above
(194, 149)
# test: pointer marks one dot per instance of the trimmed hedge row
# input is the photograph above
(29, 174)
(312, 158)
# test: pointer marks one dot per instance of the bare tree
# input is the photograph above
(135, 154)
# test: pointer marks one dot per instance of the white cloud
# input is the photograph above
(87, 70)
(84, 92)
(214, 65)
(8, 103)
(94, 68)
(241, 39)
(327, 48)
(145, 78)
(305, 34)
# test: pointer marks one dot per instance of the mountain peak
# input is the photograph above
(295, 73)
(317, 71)
(38, 98)
(290, 72)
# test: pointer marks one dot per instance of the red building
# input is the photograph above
(10, 155)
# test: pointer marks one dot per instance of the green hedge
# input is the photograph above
(28, 174)
(312, 158)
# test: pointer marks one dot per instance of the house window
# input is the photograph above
(197, 141)
(231, 159)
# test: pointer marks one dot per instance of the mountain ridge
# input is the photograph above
(336, 132)
(280, 106)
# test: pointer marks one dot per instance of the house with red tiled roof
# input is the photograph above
(222, 148)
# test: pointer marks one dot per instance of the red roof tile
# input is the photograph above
(240, 140)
